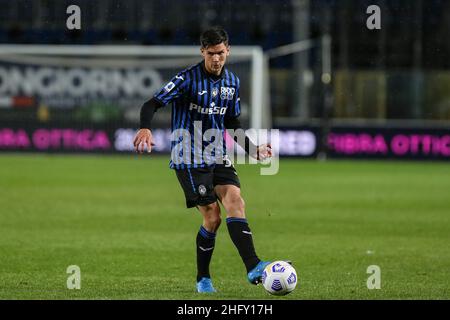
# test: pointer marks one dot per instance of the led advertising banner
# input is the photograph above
(343, 142)
(394, 143)
(120, 139)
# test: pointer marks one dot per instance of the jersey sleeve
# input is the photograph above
(172, 90)
(235, 109)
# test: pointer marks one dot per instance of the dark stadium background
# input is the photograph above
(394, 78)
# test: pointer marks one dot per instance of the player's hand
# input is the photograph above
(264, 151)
(143, 138)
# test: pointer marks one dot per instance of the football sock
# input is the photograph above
(205, 248)
(242, 238)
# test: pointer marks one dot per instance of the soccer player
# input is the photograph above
(207, 94)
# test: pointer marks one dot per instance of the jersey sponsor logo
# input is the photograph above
(169, 87)
(213, 109)
(227, 93)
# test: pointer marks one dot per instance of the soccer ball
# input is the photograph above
(279, 278)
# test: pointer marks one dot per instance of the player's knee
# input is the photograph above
(213, 222)
(210, 209)
(211, 216)
(234, 203)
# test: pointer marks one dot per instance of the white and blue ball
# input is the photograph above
(279, 278)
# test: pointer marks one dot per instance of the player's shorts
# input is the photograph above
(198, 183)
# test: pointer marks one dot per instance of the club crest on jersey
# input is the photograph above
(202, 190)
(214, 92)
(227, 93)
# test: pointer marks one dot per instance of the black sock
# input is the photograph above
(205, 248)
(242, 238)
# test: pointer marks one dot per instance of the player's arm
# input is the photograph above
(258, 152)
(144, 135)
(171, 91)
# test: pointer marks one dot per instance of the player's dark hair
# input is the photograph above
(213, 36)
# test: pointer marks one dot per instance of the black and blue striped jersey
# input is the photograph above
(198, 96)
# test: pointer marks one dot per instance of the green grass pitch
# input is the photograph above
(122, 220)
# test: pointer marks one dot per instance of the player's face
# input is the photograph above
(215, 57)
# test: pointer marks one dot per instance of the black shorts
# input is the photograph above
(198, 183)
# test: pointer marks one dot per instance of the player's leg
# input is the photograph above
(199, 192)
(237, 224)
(206, 238)
(227, 188)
